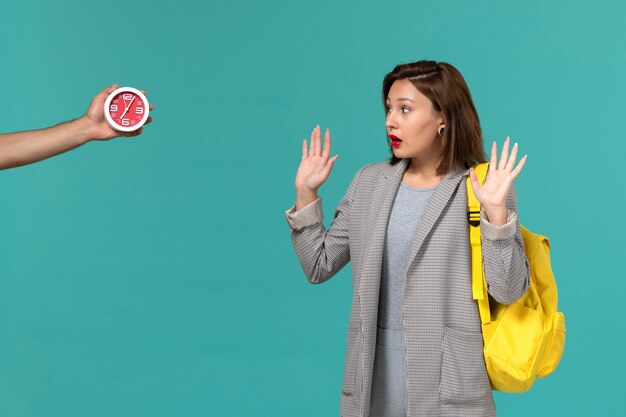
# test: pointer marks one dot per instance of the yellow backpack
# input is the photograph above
(523, 340)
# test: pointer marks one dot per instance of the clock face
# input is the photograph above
(126, 109)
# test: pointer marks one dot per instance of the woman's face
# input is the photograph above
(412, 122)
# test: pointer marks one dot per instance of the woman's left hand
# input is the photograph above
(492, 194)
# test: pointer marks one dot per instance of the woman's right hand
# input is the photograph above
(314, 168)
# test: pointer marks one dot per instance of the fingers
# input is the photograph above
(315, 144)
(493, 165)
(110, 89)
(305, 151)
(474, 179)
(505, 154)
(102, 95)
(129, 134)
(318, 141)
(511, 162)
(507, 162)
(326, 152)
(519, 167)
(312, 143)
(329, 165)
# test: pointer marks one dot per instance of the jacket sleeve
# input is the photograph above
(322, 253)
(504, 259)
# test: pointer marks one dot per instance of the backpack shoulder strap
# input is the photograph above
(479, 283)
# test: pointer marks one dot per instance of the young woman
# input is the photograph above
(414, 344)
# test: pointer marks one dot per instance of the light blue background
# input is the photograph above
(155, 276)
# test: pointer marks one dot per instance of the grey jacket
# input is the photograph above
(444, 345)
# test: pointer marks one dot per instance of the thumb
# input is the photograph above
(474, 180)
(330, 164)
(110, 89)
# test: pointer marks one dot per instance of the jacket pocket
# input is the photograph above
(353, 351)
(463, 373)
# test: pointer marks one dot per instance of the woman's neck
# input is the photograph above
(423, 167)
(422, 175)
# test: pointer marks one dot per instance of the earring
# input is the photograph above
(440, 131)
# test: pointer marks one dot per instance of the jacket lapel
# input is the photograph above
(386, 188)
(382, 200)
(438, 201)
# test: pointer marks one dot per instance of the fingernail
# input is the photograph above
(515, 144)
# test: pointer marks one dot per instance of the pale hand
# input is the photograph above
(492, 194)
(316, 165)
(98, 127)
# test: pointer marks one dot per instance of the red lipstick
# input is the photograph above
(395, 141)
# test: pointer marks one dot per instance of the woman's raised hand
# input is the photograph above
(314, 168)
(492, 194)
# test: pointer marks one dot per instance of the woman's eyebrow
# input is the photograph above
(401, 99)
(405, 99)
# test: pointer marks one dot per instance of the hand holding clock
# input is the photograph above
(27, 147)
(100, 126)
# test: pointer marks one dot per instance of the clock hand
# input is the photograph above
(127, 107)
(130, 104)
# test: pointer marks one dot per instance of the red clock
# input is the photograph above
(126, 109)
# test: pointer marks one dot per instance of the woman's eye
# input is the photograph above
(405, 109)
(388, 109)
